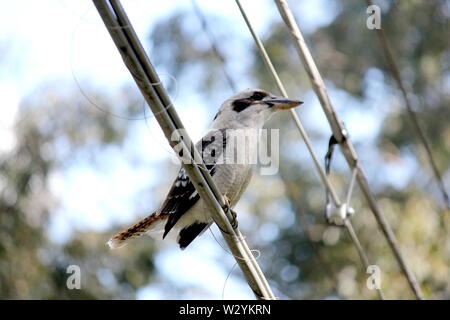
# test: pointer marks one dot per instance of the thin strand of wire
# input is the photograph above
(351, 185)
(236, 257)
(233, 87)
(221, 58)
(347, 223)
(350, 154)
(215, 48)
(226, 280)
(108, 16)
(252, 270)
(169, 151)
(411, 113)
(361, 251)
(298, 123)
(77, 82)
(230, 253)
(325, 180)
(85, 95)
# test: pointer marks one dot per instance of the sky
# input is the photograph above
(51, 40)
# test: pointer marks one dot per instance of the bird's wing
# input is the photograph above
(182, 196)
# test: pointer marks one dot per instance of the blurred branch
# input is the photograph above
(412, 115)
(146, 78)
(341, 135)
(214, 46)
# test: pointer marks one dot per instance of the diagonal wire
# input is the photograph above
(146, 78)
(306, 139)
(341, 135)
(297, 121)
(411, 113)
(329, 271)
(213, 43)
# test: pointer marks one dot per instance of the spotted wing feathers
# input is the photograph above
(181, 197)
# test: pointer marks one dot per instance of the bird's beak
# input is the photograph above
(281, 103)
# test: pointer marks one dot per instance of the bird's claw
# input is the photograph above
(234, 222)
(227, 207)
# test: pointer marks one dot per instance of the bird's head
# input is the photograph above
(250, 108)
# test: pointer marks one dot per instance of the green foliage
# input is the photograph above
(304, 258)
(31, 266)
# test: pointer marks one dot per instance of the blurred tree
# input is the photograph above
(31, 266)
(302, 256)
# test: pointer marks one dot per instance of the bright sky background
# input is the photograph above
(65, 39)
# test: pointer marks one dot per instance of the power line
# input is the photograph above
(305, 137)
(146, 78)
(213, 43)
(341, 136)
(304, 222)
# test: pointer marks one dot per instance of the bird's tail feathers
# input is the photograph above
(153, 225)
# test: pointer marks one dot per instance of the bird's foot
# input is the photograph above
(234, 222)
(227, 207)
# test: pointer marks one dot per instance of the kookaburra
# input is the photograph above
(183, 209)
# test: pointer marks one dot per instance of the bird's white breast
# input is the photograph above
(231, 177)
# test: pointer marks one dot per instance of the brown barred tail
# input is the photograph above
(148, 224)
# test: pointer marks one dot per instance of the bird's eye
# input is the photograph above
(258, 95)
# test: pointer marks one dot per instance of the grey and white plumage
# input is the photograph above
(183, 209)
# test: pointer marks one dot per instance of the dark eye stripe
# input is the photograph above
(241, 104)
(257, 95)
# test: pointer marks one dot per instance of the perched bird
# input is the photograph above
(183, 209)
